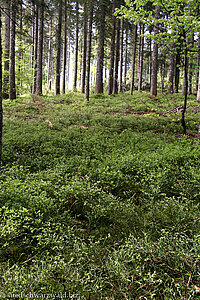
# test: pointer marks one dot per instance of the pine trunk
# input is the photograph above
(35, 48)
(58, 54)
(12, 88)
(171, 70)
(76, 49)
(1, 108)
(116, 62)
(125, 57)
(100, 51)
(40, 48)
(112, 51)
(6, 51)
(88, 54)
(65, 49)
(155, 57)
(49, 63)
(84, 49)
(121, 55)
(198, 92)
(140, 57)
(133, 59)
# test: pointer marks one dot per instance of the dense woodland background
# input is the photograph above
(56, 45)
(100, 168)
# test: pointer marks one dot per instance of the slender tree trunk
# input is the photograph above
(177, 70)
(6, 51)
(88, 54)
(20, 56)
(100, 51)
(1, 108)
(76, 48)
(58, 54)
(133, 59)
(171, 70)
(155, 57)
(121, 54)
(64, 49)
(40, 48)
(198, 65)
(49, 63)
(125, 56)
(84, 48)
(35, 48)
(190, 72)
(198, 91)
(116, 63)
(31, 58)
(112, 51)
(140, 57)
(12, 87)
(186, 90)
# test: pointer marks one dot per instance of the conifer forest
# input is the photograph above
(100, 149)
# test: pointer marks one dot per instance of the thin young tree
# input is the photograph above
(84, 48)
(6, 50)
(1, 107)
(76, 47)
(100, 50)
(133, 59)
(12, 87)
(58, 54)
(88, 54)
(112, 50)
(40, 47)
(155, 55)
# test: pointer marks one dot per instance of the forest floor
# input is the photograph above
(100, 199)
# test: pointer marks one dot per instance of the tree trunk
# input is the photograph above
(35, 48)
(116, 62)
(198, 65)
(1, 108)
(112, 51)
(198, 92)
(121, 54)
(40, 48)
(12, 87)
(171, 70)
(125, 56)
(155, 56)
(84, 48)
(88, 54)
(133, 59)
(186, 90)
(58, 54)
(6, 51)
(100, 50)
(76, 48)
(140, 56)
(64, 49)
(50, 56)
(177, 70)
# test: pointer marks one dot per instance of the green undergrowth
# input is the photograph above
(100, 199)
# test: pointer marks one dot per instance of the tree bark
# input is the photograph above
(58, 54)
(121, 54)
(84, 48)
(50, 56)
(35, 48)
(6, 51)
(12, 87)
(116, 61)
(88, 54)
(1, 108)
(198, 92)
(100, 50)
(140, 56)
(112, 51)
(155, 56)
(171, 70)
(76, 48)
(133, 59)
(125, 56)
(64, 49)
(40, 48)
